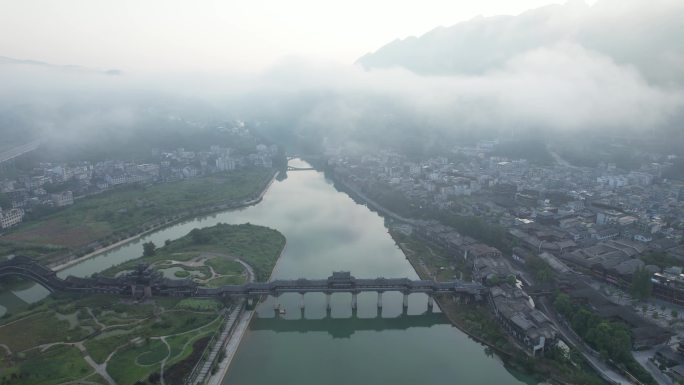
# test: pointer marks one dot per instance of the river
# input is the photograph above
(327, 231)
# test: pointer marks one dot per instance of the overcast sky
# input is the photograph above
(181, 35)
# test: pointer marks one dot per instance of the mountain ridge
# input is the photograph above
(6, 60)
(483, 44)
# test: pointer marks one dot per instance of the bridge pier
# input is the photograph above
(431, 302)
(354, 301)
(380, 300)
(328, 305)
(276, 304)
(404, 302)
(301, 301)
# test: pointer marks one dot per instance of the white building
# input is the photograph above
(10, 218)
(225, 164)
(115, 179)
(63, 198)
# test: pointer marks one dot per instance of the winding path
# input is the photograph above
(163, 363)
(100, 369)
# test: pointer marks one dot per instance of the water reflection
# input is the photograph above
(347, 326)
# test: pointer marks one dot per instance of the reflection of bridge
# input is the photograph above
(145, 282)
(345, 327)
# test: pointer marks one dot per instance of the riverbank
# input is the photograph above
(213, 209)
(232, 347)
(477, 320)
(448, 307)
(235, 338)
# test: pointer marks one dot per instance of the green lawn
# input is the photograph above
(156, 352)
(124, 366)
(196, 304)
(226, 280)
(225, 266)
(181, 345)
(53, 366)
(184, 320)
(101, 346)
(39, 329)
(174, 322)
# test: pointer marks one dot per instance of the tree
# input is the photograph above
(641, 284)
(198, 236)
(154, 378)
(149, 249)
(563, 304)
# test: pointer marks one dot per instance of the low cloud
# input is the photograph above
(563, 86)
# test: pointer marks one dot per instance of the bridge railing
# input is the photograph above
(24, 266)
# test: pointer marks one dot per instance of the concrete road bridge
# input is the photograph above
(144, 281)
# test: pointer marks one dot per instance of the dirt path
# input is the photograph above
(97, 322)
(163, 363)
(7, 349)
(100, 369)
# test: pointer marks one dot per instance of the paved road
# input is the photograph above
(604, 370)
(100, 369)
(642, 358)
(232, 347)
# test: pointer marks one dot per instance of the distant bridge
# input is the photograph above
(146, 282)
(292, 168)
(17, 151)
(303, 156)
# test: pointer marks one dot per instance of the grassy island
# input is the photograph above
(212, 255)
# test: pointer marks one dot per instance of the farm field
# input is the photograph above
(117, 214)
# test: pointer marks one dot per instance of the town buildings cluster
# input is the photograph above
(599, 223)
(59, 184)
(601, 219)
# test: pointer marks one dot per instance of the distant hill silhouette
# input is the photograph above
(643, 34)
(4, 60)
